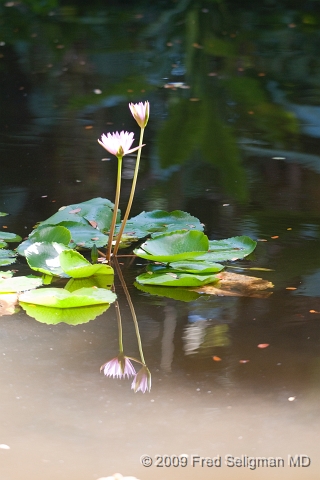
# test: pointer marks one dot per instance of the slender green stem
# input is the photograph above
(115, 211)
(133, 187)
(133, 313)
(119, 326)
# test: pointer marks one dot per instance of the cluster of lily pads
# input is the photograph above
(179, 255)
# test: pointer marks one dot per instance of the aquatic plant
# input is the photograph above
(119, 145)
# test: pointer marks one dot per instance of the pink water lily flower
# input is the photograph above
(119, 367)
(118, 143)
(140, 112)
(142, 380)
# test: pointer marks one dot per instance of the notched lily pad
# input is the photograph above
(60, 298)
(97, 212)
(174, 246)
(232, 249)
(157, 222)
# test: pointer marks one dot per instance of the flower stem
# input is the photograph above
(115, 211)
(133, 187)
(133, 313)
(119, 326)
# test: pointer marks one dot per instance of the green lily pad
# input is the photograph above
(174, 246)
(48, 234)
(100, 281)
(176, 279)
(7, 257)
(3, 214)
(9, 237)
(229, 249)
(193, 266)
(19, 284)
(157, 222)
(76, 266)
(182, 294)
(3, 244)
(97, 211)
(60, 298)
(71, 316)
(85, 236)
(44, 257)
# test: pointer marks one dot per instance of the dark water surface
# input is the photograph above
(233, 139)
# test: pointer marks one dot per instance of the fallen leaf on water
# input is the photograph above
(263, 345)
(8, 303)
(275, 236)
(237, 285)
(291, 288)
(93, 223)
(76, 210)
(244, 361)
(216, 359)
(313, 311)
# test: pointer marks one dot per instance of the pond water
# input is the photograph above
(233, 139)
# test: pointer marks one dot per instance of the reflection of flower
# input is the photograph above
(142, 380)
(140, 113)
(118, 143)
(119, 366)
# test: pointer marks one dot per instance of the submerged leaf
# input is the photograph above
(8, 302)
(233, 284)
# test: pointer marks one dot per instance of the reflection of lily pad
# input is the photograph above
(19, 284)
(174, 246)
(71, 316)
(76, 266)
(60, 298)
(44, 257)
(182, 294)
(175, 279)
